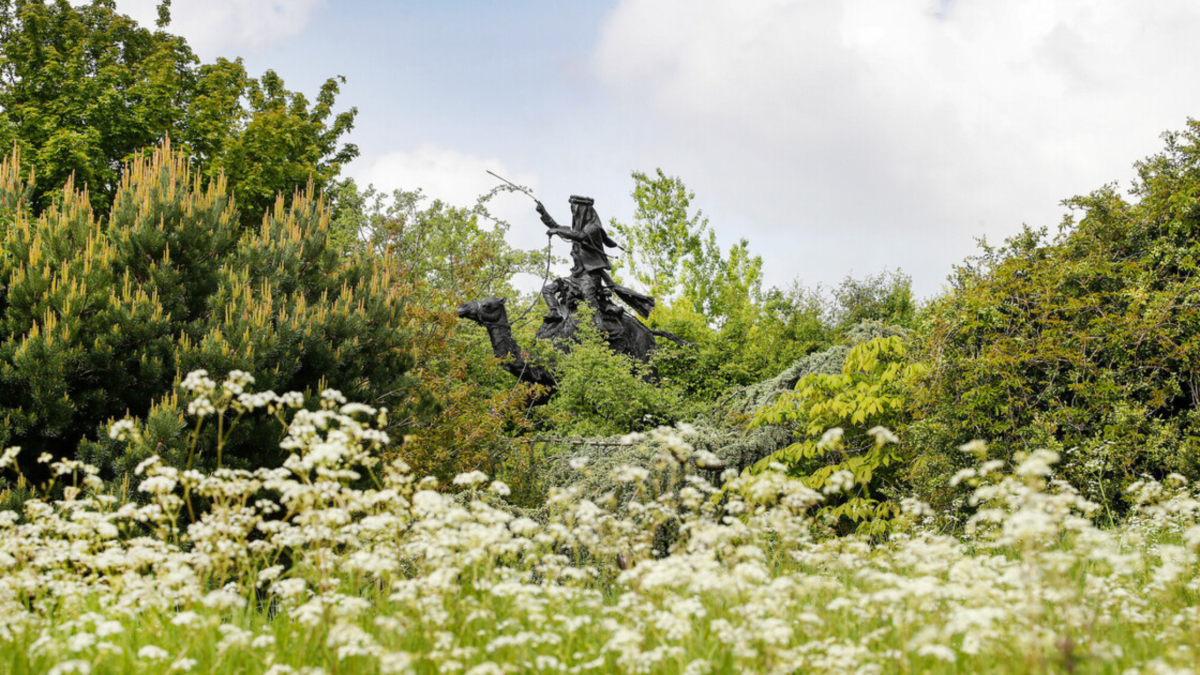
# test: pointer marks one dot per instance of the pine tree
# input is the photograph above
(100, 317)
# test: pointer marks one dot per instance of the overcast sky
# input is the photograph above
(838, 136)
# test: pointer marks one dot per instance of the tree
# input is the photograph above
(102, 317)
(84, 89)
(886, 296)
(438, 257)
(1087, 343)
(669, 250)
(742, 334)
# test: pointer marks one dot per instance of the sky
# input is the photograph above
(839, 137)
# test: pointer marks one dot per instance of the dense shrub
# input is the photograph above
(842, 423)
(602, 393)
(439, 256)
(1088, 343)
(99, 318)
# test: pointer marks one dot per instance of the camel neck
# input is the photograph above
(503, 342)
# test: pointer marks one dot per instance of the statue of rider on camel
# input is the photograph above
(589, 283)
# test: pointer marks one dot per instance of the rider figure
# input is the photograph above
(589, 278)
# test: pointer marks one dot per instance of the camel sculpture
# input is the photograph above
(623, 333)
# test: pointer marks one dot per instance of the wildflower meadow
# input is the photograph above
(343, 561)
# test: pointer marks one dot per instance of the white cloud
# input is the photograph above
(883, 132)
(227, 27)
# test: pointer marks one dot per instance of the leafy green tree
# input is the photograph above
(742, 334)
(103, 317)
(670, 250)
(1088, 343)
(886, 296)
(440, 256)
(84, 89)
(674, 253)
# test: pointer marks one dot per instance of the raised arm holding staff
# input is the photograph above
(589, 280)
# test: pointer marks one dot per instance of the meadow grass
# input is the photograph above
(342, 562)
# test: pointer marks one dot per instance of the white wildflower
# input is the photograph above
(831, 439)
(74, 666)
(976, 447)
(80, 641)
(471, 478)
(840, 481)
(198, 382)
(201, 407)
(186, 619)
(961, 475)
(630, 474)
(1038, 463)
(152, 653)
(883, 436)
(120, 429)
(333, 396)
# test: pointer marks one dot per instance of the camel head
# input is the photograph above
(487, 312)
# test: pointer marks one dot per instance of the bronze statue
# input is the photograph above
(589, 283)
(589, 280)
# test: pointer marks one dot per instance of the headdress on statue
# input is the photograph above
(582, 211)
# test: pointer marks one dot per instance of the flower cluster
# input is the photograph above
(342, 561)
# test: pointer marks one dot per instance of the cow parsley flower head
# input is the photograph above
(120, 430)
(840, 481)
(201, 407)
(883, 436)
(9, 457)
(471, 478)
(198, 382)
(831, 439)
(1038, 463)
(152, 653)
(630, 474)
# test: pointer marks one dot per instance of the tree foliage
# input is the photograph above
(100, 317)
(674, 254)
(84, 89)
(843, 422)
(886, 296)
(602, 393)
(741, 333)
(671, 251)
(1088, 343)
(440, 256)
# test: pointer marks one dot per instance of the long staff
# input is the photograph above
(549, 242)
